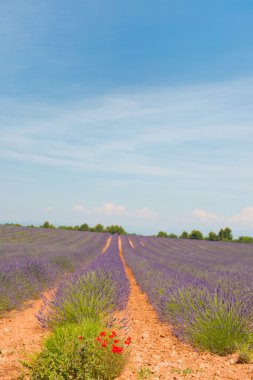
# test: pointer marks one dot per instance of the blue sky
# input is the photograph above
(138, 113)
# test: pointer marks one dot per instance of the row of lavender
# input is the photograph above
(93, 291)
(32, 260)
(85, 343)
(203, 289)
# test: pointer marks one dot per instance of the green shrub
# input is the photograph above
(73, 352)
(91, 297)
(208, 323)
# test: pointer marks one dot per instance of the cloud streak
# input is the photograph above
(111, 209)
(123, 132)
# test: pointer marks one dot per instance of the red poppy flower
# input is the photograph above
(116, 349)
(80, 337)
(116, 341)
(104, 344)
(103, 333)
(128, 341)
(98, 339)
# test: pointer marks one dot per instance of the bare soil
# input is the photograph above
(20, 336)
(107, 244)
(158, 353)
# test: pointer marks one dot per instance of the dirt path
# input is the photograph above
(159, 354)
(107, 244)
(20, 335)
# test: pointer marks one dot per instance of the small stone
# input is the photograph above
(145, 335)
(156, 357)
(156, 368)
(166, 364)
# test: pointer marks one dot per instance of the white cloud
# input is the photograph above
(79, 208)
(244, 217)
(145, 212)
(205, 215)
(125, 132)
(110, 209)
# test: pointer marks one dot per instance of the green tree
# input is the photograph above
(46, 224)
(172, 236)
(162, 234)
(84, 227)
(212, 236)
(245, 239)
(225, 234)
(114, 229)
(184, 235)
(195, 234)
(99, 228)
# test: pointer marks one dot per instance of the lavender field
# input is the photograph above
(202, 289)
(35, 259)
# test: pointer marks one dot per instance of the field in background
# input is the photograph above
(34, 259)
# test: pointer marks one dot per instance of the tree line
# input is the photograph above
(113, 229)
(224, 234)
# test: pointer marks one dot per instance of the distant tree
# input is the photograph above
(30, 226)
(114, 229)
(245, 239)
(84, 227)
(99, 228)
(66, 228)
(162, 234)
(212, 236)
(172, 236)
(47, 225)
(195, 234)
(225, 234)
(184, 235)
(12, 224)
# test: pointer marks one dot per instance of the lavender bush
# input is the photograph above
(91, 293)
(34, 259)
(203, 289)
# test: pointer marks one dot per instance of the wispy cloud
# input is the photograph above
(132, 132)
(204, 215)
(111, 209)
(244, 217)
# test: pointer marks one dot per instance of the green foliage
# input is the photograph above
(216, 327)
(162, 234)
(172, 236)
(195, 234)
(70, 228)
(72, 352)
(46, 224)
(84, 227)
(225, 234)
(212, 236)
(245, 239)
(12, 224)
(184, 235)
(144, 373)
(245, 351)
(114, 229)
(91, 297)
(99, 228)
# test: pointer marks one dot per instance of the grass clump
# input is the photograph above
(209, 323)
(89, 297)
(80, 351)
